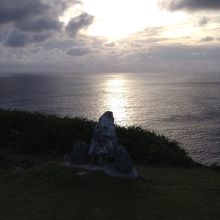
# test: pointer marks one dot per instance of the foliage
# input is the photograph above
(32, 132)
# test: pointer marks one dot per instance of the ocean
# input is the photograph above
(184, 107)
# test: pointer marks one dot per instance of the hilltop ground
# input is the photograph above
(35, 184)
(53, 191)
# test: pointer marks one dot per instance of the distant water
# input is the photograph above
(184, 107)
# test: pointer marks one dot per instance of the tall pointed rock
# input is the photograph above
(104, 141)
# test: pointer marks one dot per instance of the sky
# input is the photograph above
(109, 36)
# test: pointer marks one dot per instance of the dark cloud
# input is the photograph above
(31, 15)
(39, 37)
(12, 11)
(192, 5)
(31, 21)
(20, 10)
(38, 24)
(79, 51)
(79, 22)
(20, 39)
(207, 39)
(25, 17)
(17, 39)
(64, 44)
(3, 36)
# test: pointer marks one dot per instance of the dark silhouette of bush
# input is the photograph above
(40, 133)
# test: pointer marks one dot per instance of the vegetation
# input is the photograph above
(53, 191)
(34, 183)
(39, 133)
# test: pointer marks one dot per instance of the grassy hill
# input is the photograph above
(35, 185)
(53, 191)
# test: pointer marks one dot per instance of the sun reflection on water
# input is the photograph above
(116, 100)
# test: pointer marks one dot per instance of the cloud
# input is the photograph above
(181, 53)
(110, 44)
(12, 11)
(153, 30)
(170, 58)
(39, 37)
(38, 24)
(26, 25)
(17, 39)
(31, 15)
(20, 39)
(31, 21)
(23, 10)
(191, 5)
(207, 39)
(203, 21)
(175, 58)
(79, 51)
(79, 22)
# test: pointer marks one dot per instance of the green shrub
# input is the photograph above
(31, 132)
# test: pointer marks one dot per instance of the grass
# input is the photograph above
(34, 183)
(53, 191)
(38, 133)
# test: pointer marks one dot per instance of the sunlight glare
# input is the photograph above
(116, 99)
(116, 19)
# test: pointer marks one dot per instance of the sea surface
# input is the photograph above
(184, 107)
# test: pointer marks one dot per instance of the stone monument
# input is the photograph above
(104, 151)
